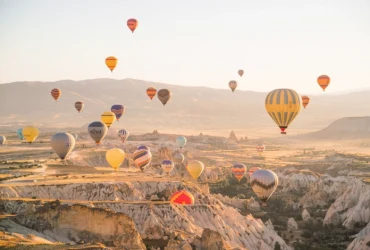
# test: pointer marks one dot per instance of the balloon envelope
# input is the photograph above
(151, 92)
(239, 170)
(179, 158)
(97, 130)
(233, 85)
(20, 134)
(283, 105)
(182, 197)
(63, 144)
(164, 95)
(2, 139)
(167, 166)
(143, 147)
(115, 157)
(195, 168)
(323, 81)
(132, 24)
(123, 134)
(264, 183)
(55, 93)
(180, 141)
(252, 170)
(305, 101)
(79, 106)
(111, 62)
(30, 133)
(241, 72)
(142, 158)
(118, 110)
(108, 118)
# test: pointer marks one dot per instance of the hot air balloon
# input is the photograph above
(233, 85)
(115, 157)
(30, 133)
(323, 81)
(118, 110)
(305, 101)
(97, 130)
(151, 92)
(123, 134)
(167, 166)
(2, 140)
(79, 106)
(164, 95)
(111, 62)
(182, 197)
(264, 183)
(241, 72)
(55, 93)
(180, 141)
(108, 118)
(132, 24)
(142, 158)
(260, 149)
(20, 134)
(63, 144)
(143, 147)
(252, 170)
(195, 168)
(179, 158)
(239, 170)
(283, 105)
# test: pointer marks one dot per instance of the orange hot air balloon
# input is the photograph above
(151, 92)
(55, 93)
(132, 24)
(182, 197)
(305, 100)
(323, 81)
(111, 62)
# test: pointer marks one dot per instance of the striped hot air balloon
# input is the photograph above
(111, 62)
(260, 149)
(79, 106)
(305, 101)
(55, 93)
(2, 140)
(151, 92)
(239, 170)
(97, 130)
(118, 110)
(167, 166)
(123, 134)
(63, 144)
(283, 105)
(323, 81)
(142, 158)
(182, 197)
(132, 24)
(233, 85)
(108, 118)
(264, 183)
(252, 170)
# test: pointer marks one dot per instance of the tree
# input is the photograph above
(277, 246)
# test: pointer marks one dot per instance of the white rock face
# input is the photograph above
(306, 215)
(269, 224)
(361, 239)
(253, 205)
(234, 202)
(297, 179)
(292, 225)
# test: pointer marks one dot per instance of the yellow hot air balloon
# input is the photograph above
(30, 133)
(283, 105)
(111, 62)
(195, 168)
(115, 157)
(108, 118)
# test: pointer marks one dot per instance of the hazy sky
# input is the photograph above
(286, 43)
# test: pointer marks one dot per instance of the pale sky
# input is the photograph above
(279, 44)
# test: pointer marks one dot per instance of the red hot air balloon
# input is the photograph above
(132, 24)
(182, 197)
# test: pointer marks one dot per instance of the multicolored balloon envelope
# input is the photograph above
(118, 110)
(151, 92)
(111, 62)
(55, 93)
(195, 168)
(264, 183)
(252, 170)
(142, 158)
(115, 157)
(179, 158)
(97, 130)
(182, 197)
(239, 170)
(167, 166)
(20, 134)
(30, 133)
(63, 144)
(108, 118)
(180, 141)
(323, 81)
(233, 85)
(305, 101)
(79, 106)
(283, 105)
(123, 134)
(2, 140)
(132, 24)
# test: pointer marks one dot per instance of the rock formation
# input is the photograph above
(292, 225)
(306, 215)
(361, 240)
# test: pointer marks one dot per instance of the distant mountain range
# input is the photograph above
(190, 108)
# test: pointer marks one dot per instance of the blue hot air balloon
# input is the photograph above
(118, 110)
(180, 141)
(20, 134)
